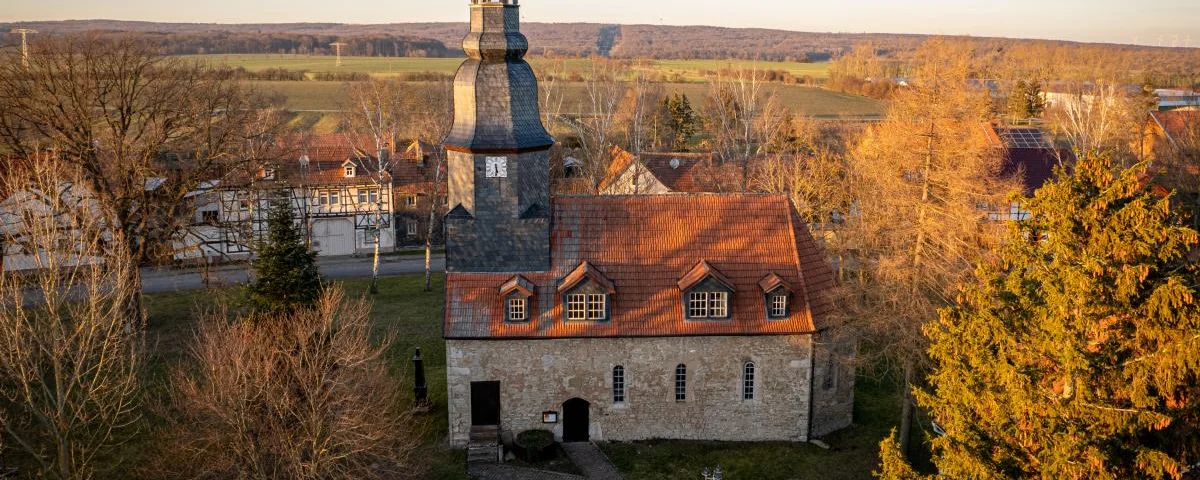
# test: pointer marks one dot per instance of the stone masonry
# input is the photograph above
(539, 375)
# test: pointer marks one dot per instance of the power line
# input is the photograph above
(24, 45)
(338, 47)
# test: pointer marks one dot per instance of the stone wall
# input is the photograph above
(539, 375)
(833, 384)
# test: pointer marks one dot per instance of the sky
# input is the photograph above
(1147, 22)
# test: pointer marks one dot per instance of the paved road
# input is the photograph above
(161, 280)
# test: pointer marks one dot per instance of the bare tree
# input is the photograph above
(143, 130)
(550, 75)
(635, 115)
(69, 388)
(304, 395)
(1098, 118)
(743, 113)
(386, 111)
(596, 124)
(923, 180)
(433, 115)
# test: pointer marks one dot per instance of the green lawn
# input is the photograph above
(385, 66)
(402, 308)
(414, 318)
(854, 451)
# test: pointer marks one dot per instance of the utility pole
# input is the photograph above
(338, 47)
(24, 45)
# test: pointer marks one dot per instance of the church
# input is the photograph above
(620, 317)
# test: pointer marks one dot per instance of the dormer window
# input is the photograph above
(586, 295)
(268, 173)
(779, 304)
(706, 293)
(350, 171)
(777, 294)
(518, 295)
(708, 305)
(587, 306)
(518, 309)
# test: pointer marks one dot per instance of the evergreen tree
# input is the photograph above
(1025, 101)
(681, 120)
(286, 270)
(1075, 356)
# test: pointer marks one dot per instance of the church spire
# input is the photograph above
(495, 90)
(498, 152)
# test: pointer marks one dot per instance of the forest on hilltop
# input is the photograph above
(1138, 64)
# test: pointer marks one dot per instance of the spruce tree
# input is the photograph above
(1075, 355)
(681, 120)
(286, 273)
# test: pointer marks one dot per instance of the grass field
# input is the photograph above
(805, 101)
(384, 66)
(402, 308)
(413, 316)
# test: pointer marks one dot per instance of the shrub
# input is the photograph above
(535, 442)
(298, 395)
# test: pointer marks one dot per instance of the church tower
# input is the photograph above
(498, 152)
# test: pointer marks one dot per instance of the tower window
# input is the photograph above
(680, 383)
(748, 381)
(618, 384)
(708, 305)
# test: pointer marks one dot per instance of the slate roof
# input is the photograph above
(680, 172)
(645, 245)
(496, 93)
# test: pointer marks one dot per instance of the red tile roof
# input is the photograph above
(680, 172)
(645, 245)
(1178, 125)
(326, 156)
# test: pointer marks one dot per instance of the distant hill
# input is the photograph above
(566, 39)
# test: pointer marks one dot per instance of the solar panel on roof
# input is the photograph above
(1024, 138)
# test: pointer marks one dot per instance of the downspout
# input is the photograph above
(812, 352)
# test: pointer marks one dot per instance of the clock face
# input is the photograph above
(497, 167)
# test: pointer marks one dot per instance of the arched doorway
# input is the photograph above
(575, 420)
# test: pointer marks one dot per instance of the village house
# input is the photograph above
(620, 317)
(337, 191)
(656, 173)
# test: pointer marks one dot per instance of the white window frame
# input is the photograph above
(518, 309)
(698, 305)
(779, 305)
(350, 171)
(577, 306)
(708, 305)
(597, 306)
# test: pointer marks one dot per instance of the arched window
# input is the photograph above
(680, 383)
(618, 384)
(748, 381)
